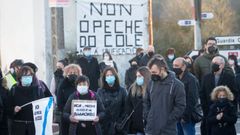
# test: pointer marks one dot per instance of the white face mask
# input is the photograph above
(106, 57)
(171, 56)
(82, 89)
(231, 62)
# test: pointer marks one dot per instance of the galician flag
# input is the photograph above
(43, 115)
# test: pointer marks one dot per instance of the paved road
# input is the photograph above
(197, 128)
(237, 127)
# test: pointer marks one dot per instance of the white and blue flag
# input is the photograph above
(43, 116)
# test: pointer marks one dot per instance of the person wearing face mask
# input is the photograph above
(186, 125)
(189, 61)
(202, 64)
(233, 62)
(164, 101)
(113, 97)
(170, 57)
(83, 93)
(57, 78)
(222, 115)
(107, 61)
(67, 87)
(23, 92)
(135, 99)
(217, 77)
(55, 85)
(37, 81)
(145, 58)
(130, 74)
(138, 57)
(90, 67)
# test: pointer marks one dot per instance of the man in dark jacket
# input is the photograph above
(202, 64)
(90, 68)
(186, 126)
(145, 58)
(217, 77)
(164, 101)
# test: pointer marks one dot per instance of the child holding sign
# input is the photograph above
(83, 110)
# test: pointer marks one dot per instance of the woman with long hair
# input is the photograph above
(134, 101)
(113, 97)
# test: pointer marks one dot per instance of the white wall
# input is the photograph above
(23, 33)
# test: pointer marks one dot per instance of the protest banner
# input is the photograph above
(43, 115)
(117, 26)
(84, 110)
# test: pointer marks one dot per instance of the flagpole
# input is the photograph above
(150, 22)
(26, 104)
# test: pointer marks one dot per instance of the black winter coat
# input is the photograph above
(225, 126)
(144, 60)
(90, 68)
(192, 87)
(237, 80)
(114, 104)
(58, 77)
(136, 120)
(90, 129)
(4, 93)
(19, 96)
(65, 90)
(208, 84)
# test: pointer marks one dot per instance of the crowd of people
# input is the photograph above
(163, 94)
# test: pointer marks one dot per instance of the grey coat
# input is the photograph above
(164, 104)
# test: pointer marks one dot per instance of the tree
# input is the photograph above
(168, 34)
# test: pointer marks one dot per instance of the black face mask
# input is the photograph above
(155, 77)
(221, 102)
(140, 55)
(134, 66)
(212, 50)
(72, 78)
(150, 54)
(177, 71)
(58, 72)
(215, 67)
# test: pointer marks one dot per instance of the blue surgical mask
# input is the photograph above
(110, 79)
(82, 89)
(140, 81)
(87, 53)
(26, 80)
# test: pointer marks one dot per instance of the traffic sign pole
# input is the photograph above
(197, 26)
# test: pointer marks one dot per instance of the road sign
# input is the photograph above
(207, 15)
(228, 40)
(186, 22)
